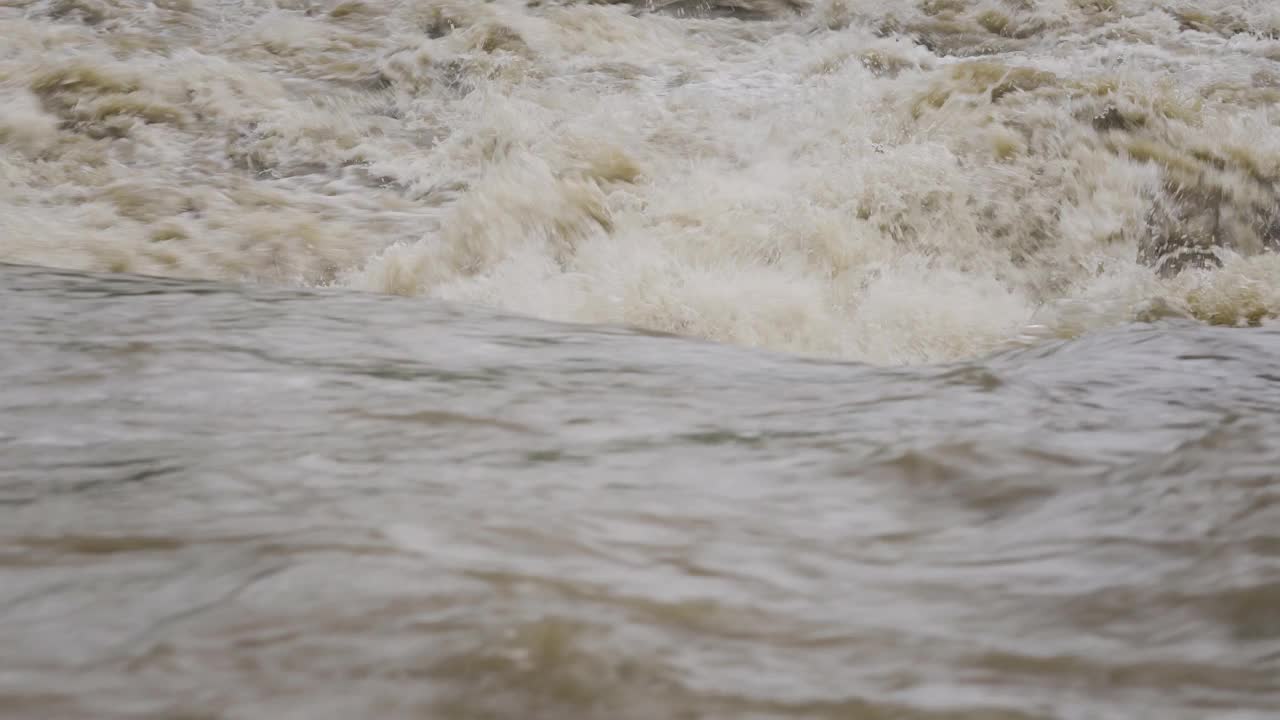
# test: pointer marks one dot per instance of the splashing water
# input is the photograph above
(281, 497)
(893, 182)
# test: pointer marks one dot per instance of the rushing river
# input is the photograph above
(688, 360)
(221, 502)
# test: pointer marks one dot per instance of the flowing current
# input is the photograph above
(693, 359)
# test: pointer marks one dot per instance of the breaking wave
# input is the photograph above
(892, 182)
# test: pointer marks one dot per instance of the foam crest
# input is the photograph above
(889, 182)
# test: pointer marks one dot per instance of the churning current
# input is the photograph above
(671, 360)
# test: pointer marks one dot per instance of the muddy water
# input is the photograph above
(220, 502)
(733, 359)
(895, 182)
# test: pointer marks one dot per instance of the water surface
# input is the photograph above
(245, 502)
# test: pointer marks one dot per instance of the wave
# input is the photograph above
(898, 182)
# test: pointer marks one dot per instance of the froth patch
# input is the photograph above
(1245, 291)
(24, 125)
(101, 98)
(915, 311)
(517, 204)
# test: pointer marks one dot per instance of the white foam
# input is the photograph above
(805, 185)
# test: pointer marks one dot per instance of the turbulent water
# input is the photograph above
(986, 427)
(230, 503)
(887, 181)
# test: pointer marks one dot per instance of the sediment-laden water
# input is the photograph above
(569, 360)
(251, 503)
(893, 182)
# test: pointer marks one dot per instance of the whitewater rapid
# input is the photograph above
(892, 182)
